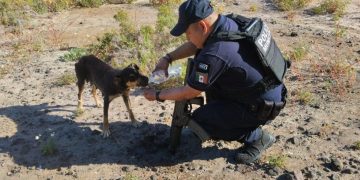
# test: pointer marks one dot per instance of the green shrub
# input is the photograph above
(3, 71)
(127, 34)
(41, 6)
(104, 46)
(66, 79)
(145, 44)
(299, 52)
(335, 7)
(253, 8)
(121, 1)
(123, 19)
(305, 97)
(74, 54)
(340, 31)
(59, 5)
(165, 18)
(287, 5)
(147, 35)
(277, 161)
(164, 2)
(90, 3)
(9, 15)
(357, 145)
(49, 148)
(131, 177)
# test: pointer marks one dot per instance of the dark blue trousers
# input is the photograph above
(226, 120)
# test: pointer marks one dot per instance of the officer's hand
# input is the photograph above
(150, 94)
(163, 64)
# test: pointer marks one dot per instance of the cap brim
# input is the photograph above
(179, 29)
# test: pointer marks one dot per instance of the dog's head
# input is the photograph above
(132, 77)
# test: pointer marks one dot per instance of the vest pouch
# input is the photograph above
(278, 106)
(265, 109)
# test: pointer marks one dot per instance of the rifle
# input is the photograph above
(182, 117)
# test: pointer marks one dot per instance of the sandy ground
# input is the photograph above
(316, 141)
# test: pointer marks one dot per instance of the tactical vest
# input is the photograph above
(255, 33)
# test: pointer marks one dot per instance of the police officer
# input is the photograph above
(222, 69)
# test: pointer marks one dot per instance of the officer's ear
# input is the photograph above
(204, 26)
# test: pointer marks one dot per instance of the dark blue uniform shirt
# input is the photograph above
(222, 70)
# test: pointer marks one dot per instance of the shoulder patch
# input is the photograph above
(202, 77)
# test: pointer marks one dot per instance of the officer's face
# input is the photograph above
(196, 33)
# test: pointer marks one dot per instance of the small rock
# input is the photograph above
(125, 169)
(274, 171)
(294, 140)
(301, 128)
(191, 167)
(181, 168)
(286, 176)
(313, 131)
(220, 144)
(347, 171)
(336, 164)
(298, 175)
(152, 177)
(316, 106)
(154, 169)
(231, 167)
(163, 108)
(237, 3)
(325, 159)
(334, 177)
(294, 34)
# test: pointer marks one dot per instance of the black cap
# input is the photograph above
(191, 11)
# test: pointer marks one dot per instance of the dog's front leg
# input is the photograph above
(106, 129)
(128, 107)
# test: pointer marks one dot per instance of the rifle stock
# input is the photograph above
(182, 117)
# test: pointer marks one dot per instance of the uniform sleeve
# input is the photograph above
(206, 70)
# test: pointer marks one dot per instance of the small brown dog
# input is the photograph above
(111, 82)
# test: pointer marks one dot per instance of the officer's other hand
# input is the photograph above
(163, 64)
(150, 94)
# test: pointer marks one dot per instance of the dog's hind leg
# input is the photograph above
(106, 128)
(81, 77)
(128, 107)
(93, 92)
(81, 84)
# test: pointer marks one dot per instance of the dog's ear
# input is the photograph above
(134, 66)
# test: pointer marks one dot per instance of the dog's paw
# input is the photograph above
(136, 123)
(99, 105)
(106, 133)
(78, 112)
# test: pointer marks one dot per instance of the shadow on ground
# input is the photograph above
(77, 144)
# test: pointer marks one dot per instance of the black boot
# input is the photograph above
(251, 152)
